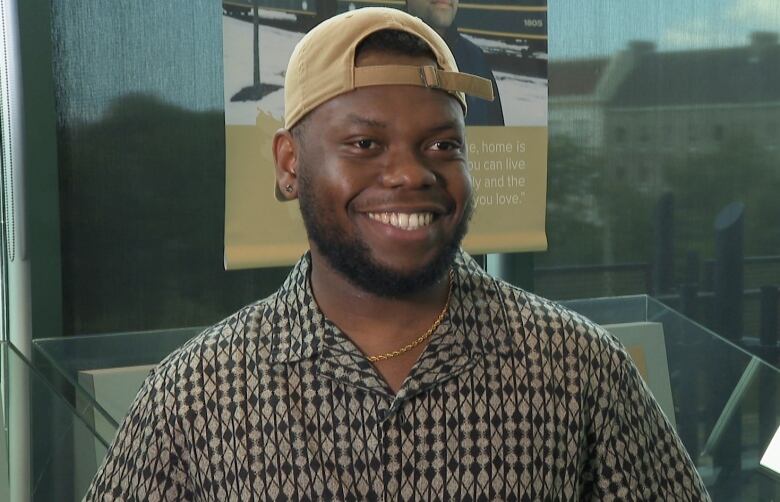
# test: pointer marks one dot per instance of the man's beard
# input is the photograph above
(352, 258)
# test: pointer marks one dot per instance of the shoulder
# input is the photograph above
(468, 45)
(529, 325)
(469, 56)
(550, 317)
(224, 345)
(568, 350)
(554, 323)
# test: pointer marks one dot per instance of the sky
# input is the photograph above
(582, 28)
(110, 53)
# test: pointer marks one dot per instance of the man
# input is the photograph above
(389, 365)
(440, 15)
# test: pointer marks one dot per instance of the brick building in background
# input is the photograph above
(642, 108)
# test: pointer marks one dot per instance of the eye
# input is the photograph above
(365, 144)
(446, 145)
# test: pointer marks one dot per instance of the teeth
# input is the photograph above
(405, 221)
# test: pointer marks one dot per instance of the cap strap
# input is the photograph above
(425, 76)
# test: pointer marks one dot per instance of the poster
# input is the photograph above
(507, 139)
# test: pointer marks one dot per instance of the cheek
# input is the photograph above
(341, 185)
(461, 186)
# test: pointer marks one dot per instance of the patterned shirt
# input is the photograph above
(514, 398)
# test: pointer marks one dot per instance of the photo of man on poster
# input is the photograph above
(441, 16)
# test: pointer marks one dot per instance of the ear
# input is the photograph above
(286, 158)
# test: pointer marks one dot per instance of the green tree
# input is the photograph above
(740, 170)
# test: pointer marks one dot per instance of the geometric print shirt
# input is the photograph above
(514, 398)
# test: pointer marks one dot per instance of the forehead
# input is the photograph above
(402, 110)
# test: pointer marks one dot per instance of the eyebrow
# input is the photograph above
(450, 124)
(357, 119)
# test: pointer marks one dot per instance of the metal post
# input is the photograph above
(769, 332)
(767, 405)
(256, 44)
(17, 319)
(688, 383)
(689, 300)
(729, 259)
(663, 254)
(708, 276)
(692, 266)
(517, 269)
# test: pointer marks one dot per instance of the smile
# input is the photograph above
(404, 221)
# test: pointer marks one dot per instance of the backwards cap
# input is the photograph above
(322, 65)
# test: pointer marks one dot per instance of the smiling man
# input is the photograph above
(389, 365)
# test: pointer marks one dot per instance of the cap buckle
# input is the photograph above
(430, 77)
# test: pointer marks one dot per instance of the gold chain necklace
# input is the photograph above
(406, 348)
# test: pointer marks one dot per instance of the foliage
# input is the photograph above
(142, 208)
(739, 170)
(592, 216)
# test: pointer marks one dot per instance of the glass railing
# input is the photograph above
(49, 447)
(110, 368)
(723, 401)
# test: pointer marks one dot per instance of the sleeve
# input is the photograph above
(146, 459)
(635, 452)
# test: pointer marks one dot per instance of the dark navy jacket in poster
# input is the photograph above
(471, 59)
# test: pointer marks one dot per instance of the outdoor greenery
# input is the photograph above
(142, 207)
(595, 217)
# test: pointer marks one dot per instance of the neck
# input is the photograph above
(374, 323)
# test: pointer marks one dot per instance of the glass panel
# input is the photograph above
(725, 400)
(50, 448)
(611, 310)
(663, 171)
(141, 157)
(78, 359)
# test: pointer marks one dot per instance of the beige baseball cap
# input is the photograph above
(322, 65)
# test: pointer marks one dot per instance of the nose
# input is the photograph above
(405, 168)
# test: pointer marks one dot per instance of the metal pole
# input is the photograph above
(256, 43)
(689, 300)
(663, 255)
(729, 260)
(692, 266)
(516, 268)
(689, 351)
(767, 404)
(17, 318)
(769, 333)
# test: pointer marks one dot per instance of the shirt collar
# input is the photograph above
(299, 330)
